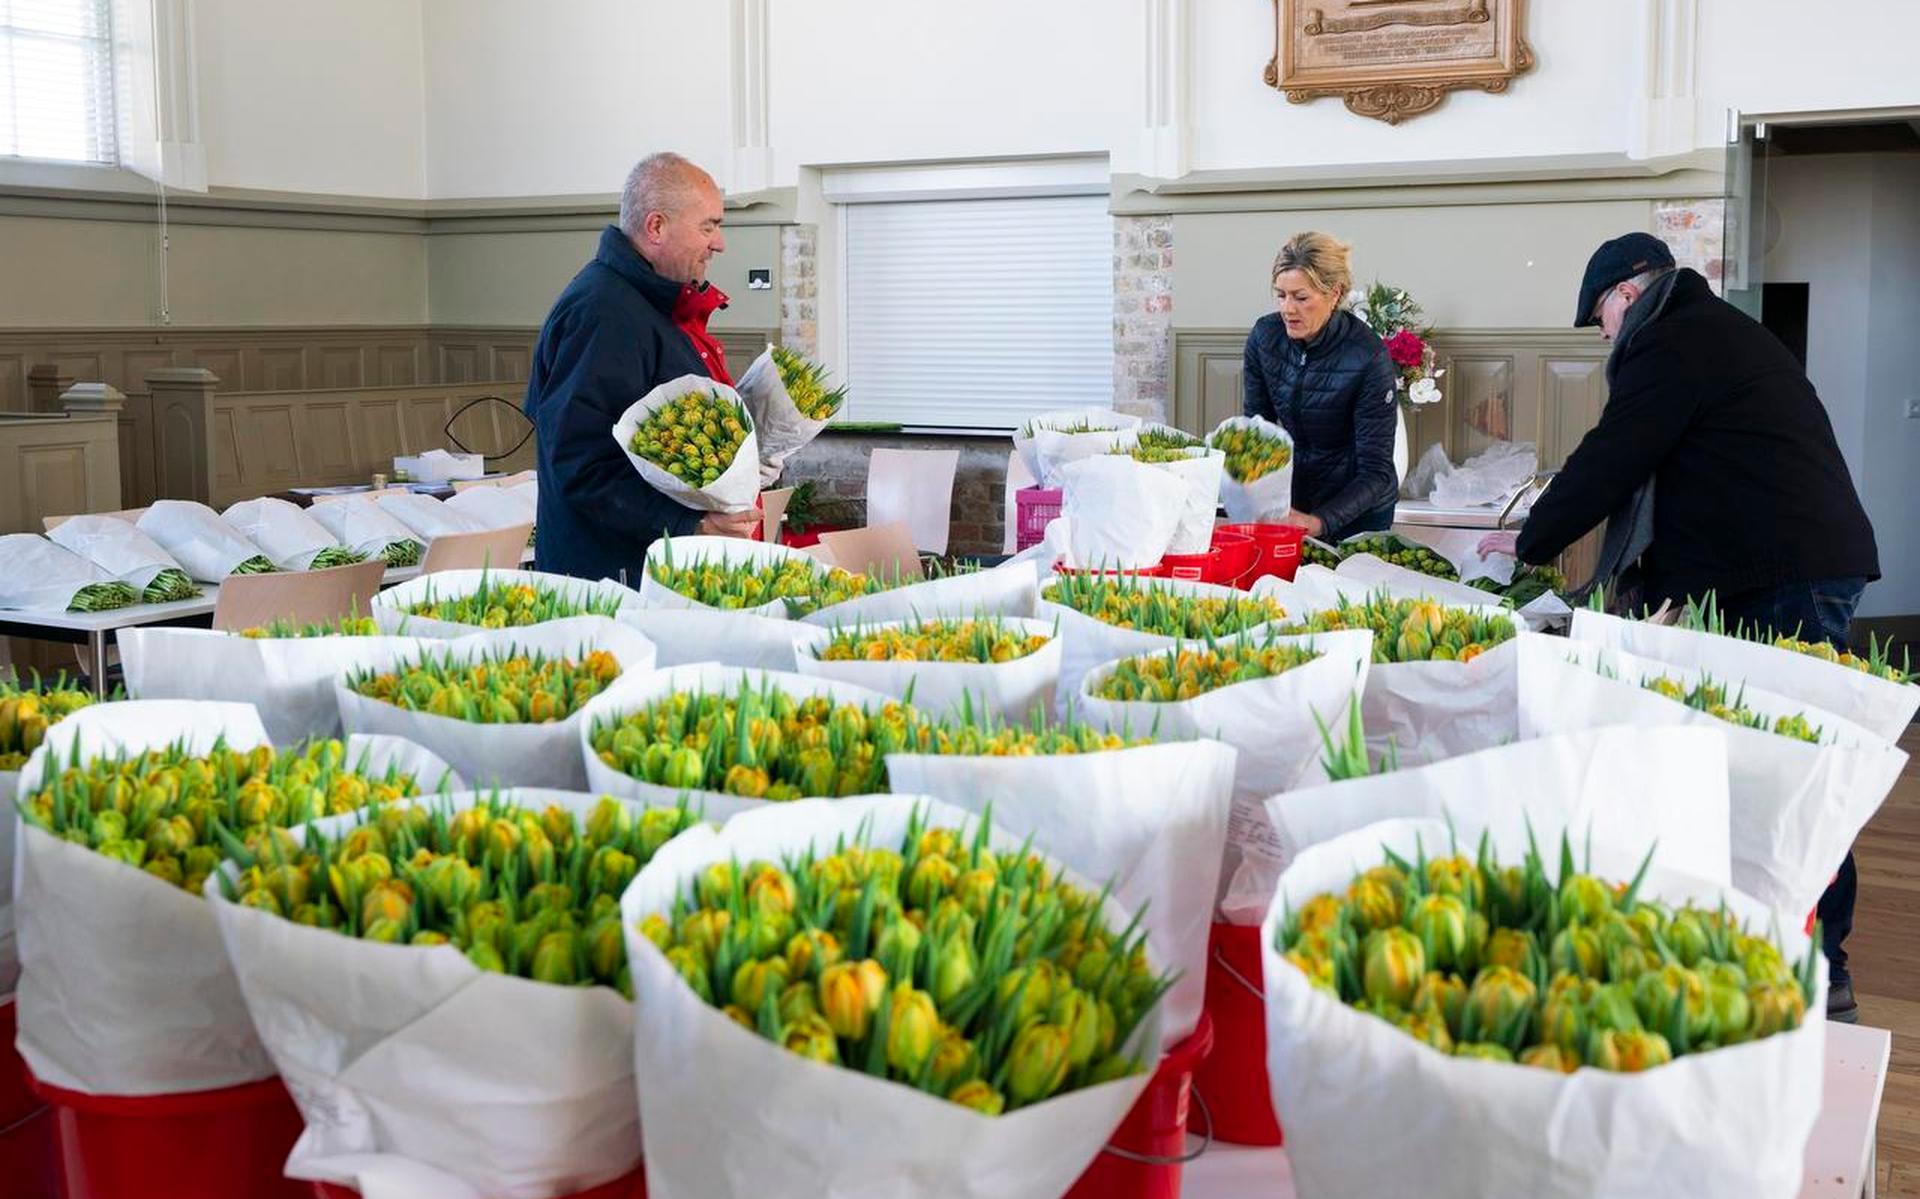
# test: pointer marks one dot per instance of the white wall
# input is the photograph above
(562, 98)
(1893, 437)
(1788, 56)
(305, 97)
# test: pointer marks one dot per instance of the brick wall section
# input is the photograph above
(837, 463)
(1143, 315)
(800, 288)
(1692, 229)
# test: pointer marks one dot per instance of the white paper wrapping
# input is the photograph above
(289, 679)
(390, 606)
(1796, 807)
(421, 1075)
(525, 755)
(1881, 706)
(1267, 498)
(1364, 574)
(1152, 818)
(283, 531)
(360, 524)
(1270, 722)
(495, 507)
(40, 576)
(9, 827)
(1086, 642)
(205, 546)
(1047, 451)
(1015, 691)
(629, 695)
(738, 484)
(687, 635)
(1121, 514)
(727, 1114)
(426, 517)
(1619, 786)
(1010, 589)
(779, 424)
(115, 546)
(684, 552)
(1465, 1128)
(124, 987)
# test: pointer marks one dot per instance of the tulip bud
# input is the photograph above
(798, 1001)
(954, 1059)
(659, 826)
(1577, 950)
(850, 993)
(610, 870)
(1458, 876)
(692, 966)
(807, 945)
(930, 881)
(754, 981)
(1776, 1007)
(1656, 992)
(1078, 1013)
(1394, 965)
(1562, 1019)
(703, 930)
(1761, 960)
(1426, 1027)
(606, 950)
(1317, 968)
(1033, 985)
(683, 769)
(771, 889)
(1510, 947)
(388, 932)
(427, 936)
(1499, 1002)
(1440, 923)
(1484, 1050)
(1038, 1062)
(953, 971)
(1612, 1009)
(978, 1095)
(913, 1028)
(553, 959)
(1584, 899)
(1628, 1052)
(1687, 937)
(1375, 901)
(1445, 995)
(1550, 1057)
(714, 886)
(1321, 913)
(388, 900)
(1730, 1013)
(811, 1037)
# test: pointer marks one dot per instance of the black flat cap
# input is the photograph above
(1616, 262)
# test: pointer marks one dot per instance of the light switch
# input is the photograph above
(759, 279)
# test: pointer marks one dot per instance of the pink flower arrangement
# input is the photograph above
(1394, 316)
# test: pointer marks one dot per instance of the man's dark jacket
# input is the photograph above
(609, 340)
(1750, 490)
(1333, 394)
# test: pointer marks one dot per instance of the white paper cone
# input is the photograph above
(1013, 691)
(1270, 722)
(205, 546)
(738, 484)
(687, 635)
(1797, 807)
(782, 429)
(727, 1114)
(410, 1064)
(284, 532)
(495, 507)
(362, 525)
(115, 546)
(40, 576)
(1121, 514)
(1267, 498)
(630, 695)
(1044, 451)
(1881, 706)
(426, 517)
(1150, 818)
(526, 755)
(1364, 574)
(1011, 589)
(390, 606)
(684, 552)
(1465, 1128)
(9, 830)
(289, 679)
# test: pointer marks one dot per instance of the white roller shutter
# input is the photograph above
(56, 80)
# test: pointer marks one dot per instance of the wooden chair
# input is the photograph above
(495, 549)
(303, 597)
(914, 488)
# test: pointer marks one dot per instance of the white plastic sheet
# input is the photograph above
(1202, 470)
(738, 484)
(9, 826)
(284, 532)
(390, 606)
(205, 546)
(1881, 706)
(727, 1114)
(419, 1074)
(1462, 1128)
(629, 695)
(1016, 691)
(684, 552)
(1152, 818)
(1271, 723)
(289, 679)
(1267, 498)
(1046, 451)
(40, 576)
(526, 755)
(1489, 478)
(427, 518)
(778, 423)
(125, 988)
(115, 546)
(360, 524)
(1796, 807)
(1121, 514)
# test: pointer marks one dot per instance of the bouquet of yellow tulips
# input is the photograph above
(506, 688)
(1186, 671)
(1409, 630)
(983, 640)
(1129, 602)
(26, 713)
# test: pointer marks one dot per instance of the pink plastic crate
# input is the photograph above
(1033, 508)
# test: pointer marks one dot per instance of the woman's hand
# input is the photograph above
(731, 524)
(1306, 520)
(1498, 543)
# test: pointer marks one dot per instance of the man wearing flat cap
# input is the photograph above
(1715, 469)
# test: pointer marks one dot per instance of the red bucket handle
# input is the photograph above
(1156, 1159)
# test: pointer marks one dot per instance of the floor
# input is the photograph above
(1884, 956)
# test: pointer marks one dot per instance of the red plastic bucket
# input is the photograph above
(1238, 553)
(1157, 571)
(28, 1159)
(1279, 548)
(1196, 568)
(230, 1143)
(627, 1186)
(1145, 1156)
(1233, 1082)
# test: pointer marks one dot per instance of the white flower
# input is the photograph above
(1424, 391)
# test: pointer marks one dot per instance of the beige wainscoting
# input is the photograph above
(52, 465)
(1545, 386)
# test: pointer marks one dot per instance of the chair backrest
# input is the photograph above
(1018, 476)
(497, 549)
(914, 488)
(303, 596)
(512, 480)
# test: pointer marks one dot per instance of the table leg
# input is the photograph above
(97, 662)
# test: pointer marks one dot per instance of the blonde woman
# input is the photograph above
(1317, 371)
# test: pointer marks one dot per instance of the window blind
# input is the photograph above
(56, 80)
(978, 313)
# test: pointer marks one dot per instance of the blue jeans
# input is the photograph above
(1817, 611)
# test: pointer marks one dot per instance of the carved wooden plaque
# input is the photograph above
(1393, 59)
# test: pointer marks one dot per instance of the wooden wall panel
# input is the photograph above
(396, 365)
(328, 445)
(341, 366)
(54, 476)
(13, 381)
(275, 368)
(56, 465)
(382, 438)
